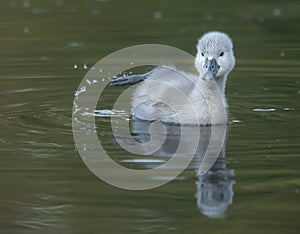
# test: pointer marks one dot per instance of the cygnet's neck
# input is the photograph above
(221, 82)
(213, 90)
(217, 85)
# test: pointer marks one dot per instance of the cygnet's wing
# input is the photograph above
(129, 80)
(163, 94)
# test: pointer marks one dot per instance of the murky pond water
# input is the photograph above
(46, 49)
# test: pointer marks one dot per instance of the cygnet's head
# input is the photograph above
(215, 57)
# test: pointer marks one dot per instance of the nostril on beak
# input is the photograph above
(211, 67)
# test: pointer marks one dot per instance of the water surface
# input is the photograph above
(48, 46)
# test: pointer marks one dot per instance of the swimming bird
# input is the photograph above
(172, 96)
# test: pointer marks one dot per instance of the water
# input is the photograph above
(47, 47)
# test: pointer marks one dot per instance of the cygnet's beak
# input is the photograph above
(212, 67)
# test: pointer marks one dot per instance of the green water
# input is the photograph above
(46, 187)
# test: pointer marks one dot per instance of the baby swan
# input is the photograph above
(173, 96)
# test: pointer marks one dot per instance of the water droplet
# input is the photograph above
(75, 44)
(81, 90)
(261, 20)
(26, 29)
(45, 58)
(157, 15)
(26, 3)
(277, 12)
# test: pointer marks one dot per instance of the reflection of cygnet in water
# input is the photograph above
(169, 95)
(214, 189)
(214, 186)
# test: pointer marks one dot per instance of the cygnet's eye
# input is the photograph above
(202, 54)
(222, 53)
